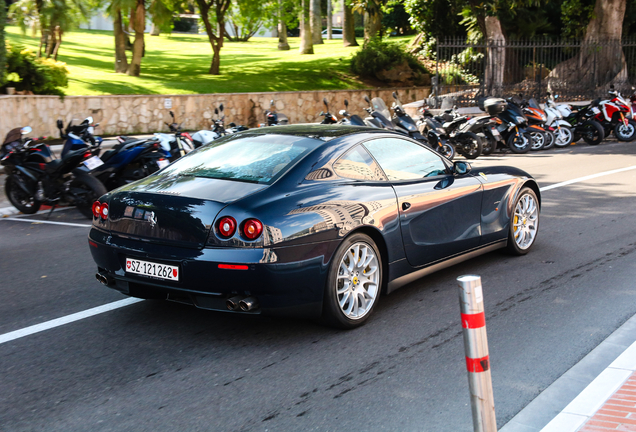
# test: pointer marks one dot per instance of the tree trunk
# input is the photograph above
(215, 38)
(139, 25)
(3, 50)
(348, 26)
(601, 61)
(59, 32)
(496, 59)
(372, 25)
(121, 61)
(316, 21)
(329, 20)
(306, 45)
(282, 29)
(50, 42)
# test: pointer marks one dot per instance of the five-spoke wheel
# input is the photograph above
(524, 223)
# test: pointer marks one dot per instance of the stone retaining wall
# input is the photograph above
(147, 113)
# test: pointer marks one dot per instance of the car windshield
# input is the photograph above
(254, 159)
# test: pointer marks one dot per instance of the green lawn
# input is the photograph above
(178, 64)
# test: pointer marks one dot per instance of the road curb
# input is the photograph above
(580, 383)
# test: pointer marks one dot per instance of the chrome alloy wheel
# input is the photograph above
(525, 221)
(538, 140)
(358, 282)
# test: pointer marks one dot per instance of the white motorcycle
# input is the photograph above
(563, 130)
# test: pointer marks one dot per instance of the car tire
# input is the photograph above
(353, 284)
(524, 222)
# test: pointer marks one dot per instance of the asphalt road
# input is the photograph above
(161, 366)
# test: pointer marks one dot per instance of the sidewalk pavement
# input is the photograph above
(597, 394)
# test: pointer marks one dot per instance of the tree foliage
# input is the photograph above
(3, 51)
(246, 17)
(28, 72)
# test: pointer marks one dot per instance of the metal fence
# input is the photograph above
(575, 70)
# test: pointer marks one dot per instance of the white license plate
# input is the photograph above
(147, 268)
(496, 133)
(93, 162)
(163, 163)
(596, 110)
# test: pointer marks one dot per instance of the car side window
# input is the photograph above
(357, 164)
(404, 160)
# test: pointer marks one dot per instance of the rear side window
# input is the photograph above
(254, 159)
(404, 160)
(357, 164)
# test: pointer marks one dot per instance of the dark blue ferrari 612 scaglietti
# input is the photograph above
(307, 220)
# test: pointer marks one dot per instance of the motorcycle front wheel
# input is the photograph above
(447, 150)
(625, 133)
(538, 140)
(20, 199)
(519, 143)
(86, 190)
(564, 136)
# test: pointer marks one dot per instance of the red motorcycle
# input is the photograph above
(617, 115)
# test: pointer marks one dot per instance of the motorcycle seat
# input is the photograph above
(53, 165)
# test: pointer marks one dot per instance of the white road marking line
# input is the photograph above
(11, 211)
(7, 337)
(119, 304)
(37, 221)
(589, 177)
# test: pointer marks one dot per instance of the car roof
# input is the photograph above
(316, 131)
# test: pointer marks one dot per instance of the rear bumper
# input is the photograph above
(286, 281)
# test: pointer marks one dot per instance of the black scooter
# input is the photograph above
(273, 118)
(350, 119)
(36, 177)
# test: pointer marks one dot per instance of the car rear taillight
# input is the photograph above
(97, 209)
(227, 226)
(104, 211)
(252, 228)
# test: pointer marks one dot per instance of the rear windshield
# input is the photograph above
(254, 159)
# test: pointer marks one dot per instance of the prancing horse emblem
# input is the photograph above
(150, 217)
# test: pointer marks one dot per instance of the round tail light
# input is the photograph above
(227, 226)
(104, 211)
(97, 208)
(252, 228)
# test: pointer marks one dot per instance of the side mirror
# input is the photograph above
(346, 103)
(394, 95)
(556, 96)
(461, 168)
(611, 86)
(367, 100)
(25, 130)
(216, 111)
(221, 107)
(60, 124)
(172, 115)
(271, 103)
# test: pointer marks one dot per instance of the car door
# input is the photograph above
(440, 213)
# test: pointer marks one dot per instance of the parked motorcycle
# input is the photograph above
(130, 160)
(511, 125)
(328, 117)
(274, 118)
(79, 136)
(616, 116)
(217, 129)
(177, 143)
(350, 119)
(536, 119)
(456, 129)
(36, 177)
(563, 131)
(581, 117)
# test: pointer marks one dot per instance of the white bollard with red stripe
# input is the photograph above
(471, 301)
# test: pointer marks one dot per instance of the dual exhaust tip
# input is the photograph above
(103, 279)
(246, 304)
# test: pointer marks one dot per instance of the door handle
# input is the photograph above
(406, 206)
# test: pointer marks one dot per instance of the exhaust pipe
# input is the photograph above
(233, 303)
(103, 279)
(248, 304)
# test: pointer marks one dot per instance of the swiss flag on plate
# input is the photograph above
(128, 264)
(175, 272)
